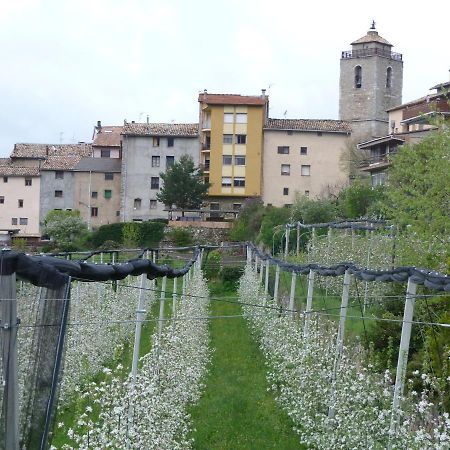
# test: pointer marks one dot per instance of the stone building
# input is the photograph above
(107, 141)
(371, 82)
(303, 156)
(147, 150)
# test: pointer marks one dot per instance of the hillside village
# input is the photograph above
(243, 152)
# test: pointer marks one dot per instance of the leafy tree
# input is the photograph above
(418, 192)
(66, 228)
(359, 199)
(307, 210)
(274, 220)
(183, 185)
(246, 227)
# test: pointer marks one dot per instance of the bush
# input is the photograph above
(246, 226)
(273, 218)
(181, 237)
(230, 277)
(211, 264)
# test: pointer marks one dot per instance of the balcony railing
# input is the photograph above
(205, 166)
(206, 146)
(375, 160)
(371, 52)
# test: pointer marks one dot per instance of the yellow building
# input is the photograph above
(231, 138)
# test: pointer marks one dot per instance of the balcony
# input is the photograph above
(205, 166)
(349, 54)
(376, 162)
(206, 147)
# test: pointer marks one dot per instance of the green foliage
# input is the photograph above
(230, 276)
(307, 210)
(419, 190)
(274, 219)
(181, 237)
(246, 227)
(358, 199)
(141, 234)
(211, 264)
(66, 228)
(183, 185)
(19, 244)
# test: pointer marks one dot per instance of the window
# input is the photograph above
(109, 176)
(227, 138)
(2, 200)
(239, 182)
(170, 141)
(170, 161)
(153, 204)
(154, 183)
(58, 194)
(303, 150)
(227, 160)
(228, 117)
(156, 161)
(20, 202)
(108, 193)
(117, 213)
(5, 179)
(389, 77)
(105, 153)
(137, 203)
(239, 160)
(358, 77)
(28, 181)
(378, 178)
(288, 205)
(226, 181)
(307, 193)
(59, 175)
(283, 150)
(285, 191)
(237, 206)
(94, 194)
(306, 171)
(241, 138)
(14, 221)
(94, 211)
(285, 169)
(156, 141)
(241, 117)
(23, 221)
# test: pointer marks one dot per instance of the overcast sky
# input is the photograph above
(67, 63)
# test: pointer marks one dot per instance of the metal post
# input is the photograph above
(366, 286)
(309, 298)
(313, 242)
(161, 306)
(174, 299)
(328, 260)
(101, 258)
(353, 238)
(277, 283)
(286, 250)
(292, 293)
(261, 271)
(266, 281)
(183, 289)
(249, 255)
(256, 263)
(340, 335)
(9, 324)
(298, 239)
(403, 354)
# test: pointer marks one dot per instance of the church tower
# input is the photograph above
(371, 82)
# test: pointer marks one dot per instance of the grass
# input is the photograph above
(236, 410)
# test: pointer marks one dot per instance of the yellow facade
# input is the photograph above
(232, 131)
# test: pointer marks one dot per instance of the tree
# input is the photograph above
(183, 185)
(65, 228)
(418, 190)
(246, 227)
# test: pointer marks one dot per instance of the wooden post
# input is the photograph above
(277, 283)
(9, 431)
(292, 293)
(309, 298)
(403, 355)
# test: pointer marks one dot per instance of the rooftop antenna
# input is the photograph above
(373, 25)
(284, 114)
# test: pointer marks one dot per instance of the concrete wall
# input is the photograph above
(50, 184)
(137, 172)
(114, 152)
(323, 157)
(13, 190)
(108, 208)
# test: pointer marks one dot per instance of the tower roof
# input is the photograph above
(372, 36)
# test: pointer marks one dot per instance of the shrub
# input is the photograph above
(211, 264)
(230, 276)
(181, 237)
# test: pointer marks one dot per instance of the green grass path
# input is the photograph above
(236, 411)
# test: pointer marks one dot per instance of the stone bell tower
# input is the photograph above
(371, 82)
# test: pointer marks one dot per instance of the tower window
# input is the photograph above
(389, 77)
(358, 77)
(285, 191)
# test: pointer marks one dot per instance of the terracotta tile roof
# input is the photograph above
(371, 36)
(10, 169)
(161, 129)
(425, 99)
(108, 136)
(61, 162)
(44, 150)
(331, 126)
(231, 99)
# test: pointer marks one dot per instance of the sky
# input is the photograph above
(67, 63)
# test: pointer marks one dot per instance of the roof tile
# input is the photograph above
(333, 126)
(231, 99)
(161, 129)
(108, 136)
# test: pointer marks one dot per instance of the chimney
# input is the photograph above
(205, 93)
(263, 93)
(148, 119)
(124, 121)
(99, 125)
(133, 121)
